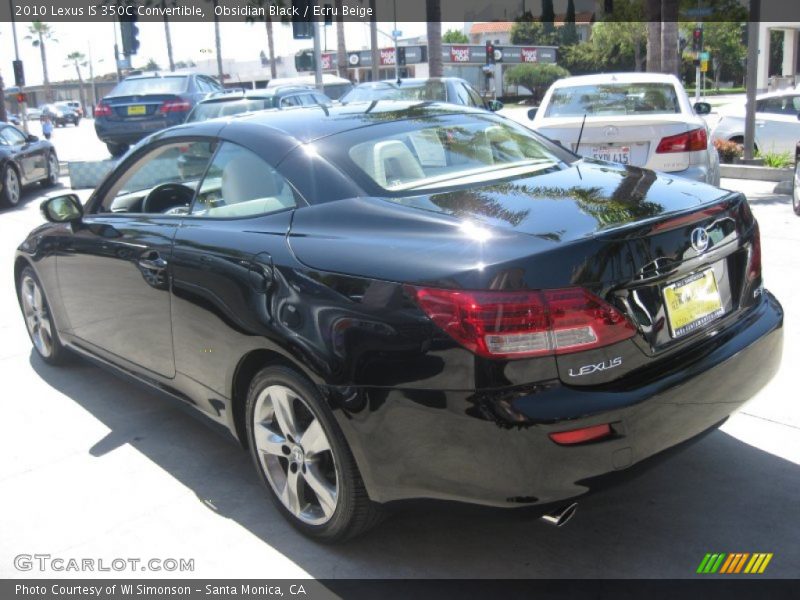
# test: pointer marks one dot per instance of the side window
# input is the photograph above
(770, 105)
(475, 96)
(212, 85)
(290, 101)
(10, 136)
(462, 97)
(201, 85)
(162, 181)
(241, 184)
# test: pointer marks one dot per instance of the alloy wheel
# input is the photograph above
(52, 168)
(295, 455)
(11, 185)
(37, 318)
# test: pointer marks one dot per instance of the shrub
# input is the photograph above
(777, 160)
(728, 150)
(535, 77)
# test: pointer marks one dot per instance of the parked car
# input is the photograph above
(33, 114)
(233, 103)
(14, 119)
(74, 105)
(434, 89)
(385, 302)
(24, 159)
(332, 85)
(61, 114)
(142, 104)
(777, 122)
(638, 119)
(796, 181)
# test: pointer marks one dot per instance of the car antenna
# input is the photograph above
(580, 133)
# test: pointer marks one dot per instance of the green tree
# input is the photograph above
(78, 59)
(152, 65)
(724, 42)
(454, 36)
(548, 17)
(535, 77)
(38, 34)
(529, 32)
(568, 34)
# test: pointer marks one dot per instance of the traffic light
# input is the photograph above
(302, 27)
(328, 15)
(19, 73)
(130, 35)
(21, 98)
(304, 61)
(697, 39)
(401, 55)
(489, 53)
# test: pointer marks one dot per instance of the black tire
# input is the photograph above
(10, 194)
(354, 513)
(116, 149)
(52, 175)
(58, 354)
(796, 189)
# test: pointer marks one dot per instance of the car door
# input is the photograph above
(114, 267)
(223, 264)
(777, 124)
(30, 156)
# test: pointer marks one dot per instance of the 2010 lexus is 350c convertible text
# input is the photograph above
(393, 301)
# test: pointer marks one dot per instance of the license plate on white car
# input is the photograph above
(617, 154)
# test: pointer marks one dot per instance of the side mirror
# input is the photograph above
(33, 138)
(494, 105)
(702, 108)
(62, 209)
(532, 113)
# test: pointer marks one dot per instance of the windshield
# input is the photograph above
(151, 85)
(614, 99)
(212, 110)
(432, 154)
(427, 90)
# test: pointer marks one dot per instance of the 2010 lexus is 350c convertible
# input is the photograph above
(393, 301)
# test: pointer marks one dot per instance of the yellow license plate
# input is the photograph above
(139, 109)
(692, 302)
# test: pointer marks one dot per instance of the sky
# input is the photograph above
(195, 41)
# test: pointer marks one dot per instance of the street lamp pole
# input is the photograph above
(24, 105)
(396, 53)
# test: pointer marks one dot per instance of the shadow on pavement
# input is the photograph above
(718, 495)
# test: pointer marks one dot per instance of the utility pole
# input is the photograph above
(23, 108)
(396, 35)
(317, 58)
(116, 51)
(91, 76)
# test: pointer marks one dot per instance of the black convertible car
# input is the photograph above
(391, 301)
(24, 159)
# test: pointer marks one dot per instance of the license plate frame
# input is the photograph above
(137, 110)
(608, 153)
(699, 302)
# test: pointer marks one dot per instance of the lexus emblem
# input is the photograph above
(700, 240)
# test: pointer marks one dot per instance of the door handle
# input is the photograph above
(153, 263)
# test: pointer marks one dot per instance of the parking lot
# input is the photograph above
(97, 467)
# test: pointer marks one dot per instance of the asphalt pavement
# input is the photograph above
(97, 467)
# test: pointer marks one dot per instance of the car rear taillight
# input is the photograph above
(524, 323)
(582, 435)
(172, 106)
(102, 110)
(691, 141)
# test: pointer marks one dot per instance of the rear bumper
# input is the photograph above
(492, 447)
(695, 173)
(123, 132)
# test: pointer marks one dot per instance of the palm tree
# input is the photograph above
(39, 33)
(265, 4)
(168, 36)
(433, 9)
(79, 60)
(669, 37)
(373, 41)
(653, 16)
(341, 48)
(218, 42)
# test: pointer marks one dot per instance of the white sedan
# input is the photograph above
(777, 122)
(638, 119)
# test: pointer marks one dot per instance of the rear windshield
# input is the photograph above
(151, 85)
(433, 154)
(614, 99)
(426, 91)
(212, 110)
(334, 91)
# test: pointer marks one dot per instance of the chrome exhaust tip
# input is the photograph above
(560, 516)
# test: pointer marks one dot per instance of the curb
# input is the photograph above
(755, 172)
